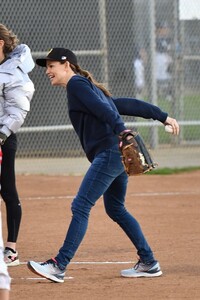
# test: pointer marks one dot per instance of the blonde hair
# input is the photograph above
(9, 38)
(88, 75)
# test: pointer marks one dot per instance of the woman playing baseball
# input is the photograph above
(16, 91)
(95, 116)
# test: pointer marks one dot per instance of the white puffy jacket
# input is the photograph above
(16, 89)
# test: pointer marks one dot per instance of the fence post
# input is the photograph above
(151, 78)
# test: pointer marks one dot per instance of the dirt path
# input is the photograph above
(167, 208)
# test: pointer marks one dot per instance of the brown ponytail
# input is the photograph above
(85, 73)
(9, 38)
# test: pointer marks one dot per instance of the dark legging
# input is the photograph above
(8, 188)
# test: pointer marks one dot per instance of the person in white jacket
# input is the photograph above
(16, 92)
(139, 74)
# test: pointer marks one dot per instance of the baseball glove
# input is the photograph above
(135, 156)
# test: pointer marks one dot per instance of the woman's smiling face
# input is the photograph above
(57, 72)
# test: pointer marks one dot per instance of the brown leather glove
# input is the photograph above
(135, 156)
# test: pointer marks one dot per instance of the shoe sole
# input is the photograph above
(13, 263)
(144, 274)
(47, 276)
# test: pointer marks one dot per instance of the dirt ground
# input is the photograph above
(168, 209)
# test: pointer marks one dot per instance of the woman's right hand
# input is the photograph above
(174, 124)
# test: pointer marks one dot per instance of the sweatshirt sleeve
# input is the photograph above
(17, 103)
(139, 108)
(90, 102)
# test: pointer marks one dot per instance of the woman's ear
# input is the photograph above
(67, 64)
(2, 43)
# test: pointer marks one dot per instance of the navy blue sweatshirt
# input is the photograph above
(96, 118)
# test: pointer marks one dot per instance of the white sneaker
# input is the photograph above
(11, 259)
(48, 269)
(143, 270)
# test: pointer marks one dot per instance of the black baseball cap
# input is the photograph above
(58, 54)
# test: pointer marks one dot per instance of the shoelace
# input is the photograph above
(48, 262)
(142, 265)
(137, 265)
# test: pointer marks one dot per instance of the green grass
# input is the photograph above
(191, 107)
(191, 110)
(170, 171)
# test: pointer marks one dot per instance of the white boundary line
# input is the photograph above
(38, 278)
(76, 262)
(132, 195)
(99, 262)
(94, 262)
(47, 197)
(164, 194)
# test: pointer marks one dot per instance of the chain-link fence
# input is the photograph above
(147, 49)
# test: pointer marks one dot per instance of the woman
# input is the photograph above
(16, 91)
(95, 116)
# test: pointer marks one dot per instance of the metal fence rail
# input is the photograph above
(117, 41)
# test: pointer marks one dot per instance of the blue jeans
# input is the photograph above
(106, 176)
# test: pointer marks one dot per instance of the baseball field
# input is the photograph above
(167, 207)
